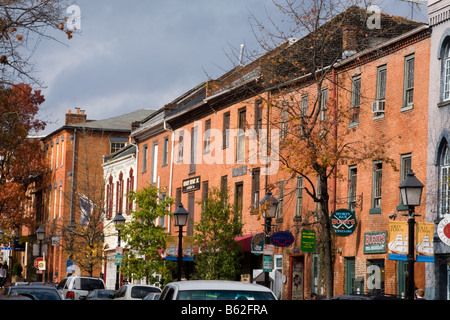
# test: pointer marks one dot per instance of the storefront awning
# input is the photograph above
(245, 241)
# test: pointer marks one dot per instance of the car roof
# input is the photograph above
(217, 285)
(138, 285)
(34, 286)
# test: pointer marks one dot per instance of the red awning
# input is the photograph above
(245, 241)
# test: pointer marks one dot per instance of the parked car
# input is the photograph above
(367, 296)
(34, 292)
(135, 291)
(100, 294)
(215, 290)
(152, 296)
(75, 287)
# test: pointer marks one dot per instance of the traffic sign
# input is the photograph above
(118, 259)
(36, 262)
(39, 263)
(267, 263)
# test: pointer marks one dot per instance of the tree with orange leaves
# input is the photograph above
(21, 156)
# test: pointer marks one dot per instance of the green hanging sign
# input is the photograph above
(308, 241)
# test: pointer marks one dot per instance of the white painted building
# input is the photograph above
(119, 171)
(438, 168)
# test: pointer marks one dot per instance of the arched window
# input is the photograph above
(109, 197)
(446, 70)
(130, 188)
(444, 56)
(444, 181)
(119, 194)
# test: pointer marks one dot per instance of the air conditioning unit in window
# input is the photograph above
(378, 106)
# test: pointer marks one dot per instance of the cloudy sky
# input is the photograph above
(145, 53)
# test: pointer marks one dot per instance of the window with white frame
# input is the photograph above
(154, 169)
(376, 185)
(323, 104)
(408, 93)
(304, 105)
(381, 90)
(356, 99)
(352, 175)
(445, 70)
(444, 182)
(299, 199)
(405, 166)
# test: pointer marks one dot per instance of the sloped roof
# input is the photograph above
(118, 123)
(121, 123)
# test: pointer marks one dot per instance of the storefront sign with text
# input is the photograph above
(343, 222)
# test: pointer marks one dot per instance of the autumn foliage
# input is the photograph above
(21, 158)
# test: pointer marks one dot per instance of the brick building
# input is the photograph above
(73, 190)
(213, 136)
(383, 75)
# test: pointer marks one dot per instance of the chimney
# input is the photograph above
(74, 118)
(349, 41)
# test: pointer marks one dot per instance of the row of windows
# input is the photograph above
(378, 106)
(119, 195)
(377, 177)
(55, 151)
(181, 134)
(53, 199)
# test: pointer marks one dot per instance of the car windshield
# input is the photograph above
(224, 295)
(141, 292)
(105, 293)
(37, 293)
(90, 284)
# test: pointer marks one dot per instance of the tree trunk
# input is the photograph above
(327, 245)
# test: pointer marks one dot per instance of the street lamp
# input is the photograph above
(411, 193)
(2, 233)
(269, 208)
(40, 235)
(181, 216)
(119, 221)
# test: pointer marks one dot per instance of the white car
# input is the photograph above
(135, 291)
(215, 290)
(76, 287)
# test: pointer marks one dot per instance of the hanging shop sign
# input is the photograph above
(191, 184)
(343, 222)
(424, 241)
(19, 243)
(398, 240)
(308, 241)
(375, 242)
(257, 244)
(171, 252)
(443, 231)
(282, 239)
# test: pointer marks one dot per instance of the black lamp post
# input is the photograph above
(180, 216)
(411, 193)
(2, 233)
(269, 209)
(40, 235)
(119, 221)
